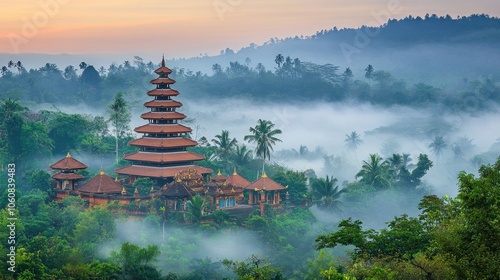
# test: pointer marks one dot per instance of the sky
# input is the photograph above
(193, 27)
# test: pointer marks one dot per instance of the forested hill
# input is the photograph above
(436, 50)
(412, 62)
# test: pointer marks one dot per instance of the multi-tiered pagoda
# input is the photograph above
(163, 145)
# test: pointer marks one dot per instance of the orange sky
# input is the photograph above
(191, 27)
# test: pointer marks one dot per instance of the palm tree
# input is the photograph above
(375, 172)
(4, 70)
(326, 193)
(242, 155)
(263, 134)
(352, 142)
(279, 60)
(437, 146)
(197, 206)
(83, 65)
(224, 144)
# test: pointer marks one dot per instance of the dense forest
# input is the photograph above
(372, 217)
(291, 81)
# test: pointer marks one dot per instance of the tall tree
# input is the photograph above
(120, 118)
(279, 60)
(369, 72)
(437, 146)
(11, 124)
(375, 172)
(352, 141)
(263, 134)
(326, 193)
(224, 144)
(242, 155)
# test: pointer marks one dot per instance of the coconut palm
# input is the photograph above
(263, 134)
(224, 144)
(375, 172)
(352, 141)
(326, 193)
(197, 206)
(279, 60)
(242, 155)
(437, 146)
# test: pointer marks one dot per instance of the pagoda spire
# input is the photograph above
(234, 173)
(68, 155)
(163, 146)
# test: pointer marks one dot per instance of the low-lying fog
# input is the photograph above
(322, 127)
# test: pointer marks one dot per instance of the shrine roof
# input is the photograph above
(162, 128)
(163, 157)
(68, 163)
(265, 183)
(176, 142)
(101, 183)
(159, 172)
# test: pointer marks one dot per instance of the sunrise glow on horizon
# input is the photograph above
(190, 28)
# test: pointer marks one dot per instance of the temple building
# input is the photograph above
(163, 147)
(100, 190)
(67, 178)
(222, 193)
(264, 190)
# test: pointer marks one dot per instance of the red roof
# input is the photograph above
(237, 180)
(163, 157)
(67, 176)
(159, 172)
(163, 104)
(163, 68)
(162, 81)
(68, 163)
(163, 116)
(265, 183)
(219, 178)
(162, 128)
(175, 142)
(178, 189)
(163, 92)
(101, 183)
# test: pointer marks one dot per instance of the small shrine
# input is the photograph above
(67, 178)
(264, 190)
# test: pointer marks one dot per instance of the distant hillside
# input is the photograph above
(435, 50)
(415, 62)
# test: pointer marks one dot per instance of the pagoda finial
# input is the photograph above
(68, 155)
(264, 175)
(218, 173)
(102, 172)
(124, 191)
(163, 61)
(234, 173)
